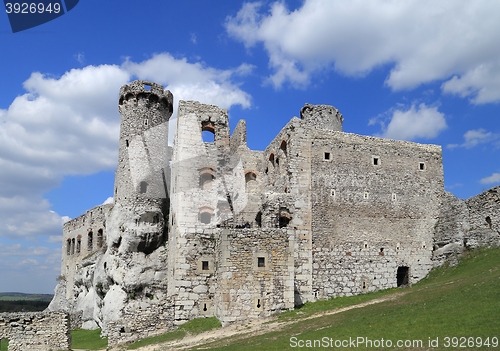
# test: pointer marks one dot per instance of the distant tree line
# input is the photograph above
(23, 306)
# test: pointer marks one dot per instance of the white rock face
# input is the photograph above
(113, 303)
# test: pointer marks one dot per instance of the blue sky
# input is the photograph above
(425, 71)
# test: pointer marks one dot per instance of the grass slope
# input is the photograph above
(4, 344)
(192, 327)
(461, 301)
(88, 340)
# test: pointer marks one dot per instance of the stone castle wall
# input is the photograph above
(465, 224)
(213, 228)
(375, 205)
(255, 273)
(138, 323)
(82, 237)
(35, 331)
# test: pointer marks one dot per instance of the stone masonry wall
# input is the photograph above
(35, 331)
(465, 224)
(484, 219)
(196, 278)
(254, 273)
(140, 323)
(375, 205)
(450, 230)
(82, 237)
(287, 185)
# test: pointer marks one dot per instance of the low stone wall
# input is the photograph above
(141, 324)
(35, 331)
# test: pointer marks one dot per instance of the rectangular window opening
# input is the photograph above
(261, 261)
(421, 166)
(375, 161)
(327, 156)
(204, 266)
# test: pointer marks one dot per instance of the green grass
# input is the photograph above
(194, 326)
(461, 301)
(88, 339)
(4, 344)
(310, 308)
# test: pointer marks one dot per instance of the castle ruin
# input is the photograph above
(203, 229)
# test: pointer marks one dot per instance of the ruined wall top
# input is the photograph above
(322, 117)
(209, 118)
(94, 215)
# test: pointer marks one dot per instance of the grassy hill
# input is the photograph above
(453, 308)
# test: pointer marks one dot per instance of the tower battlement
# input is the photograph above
(148, 92)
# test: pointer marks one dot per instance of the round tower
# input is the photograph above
(143, 156)
(322, 117)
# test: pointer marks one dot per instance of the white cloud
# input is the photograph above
(475, 137)
(193, 81)
(480, 83)
(416, 122)
(69, 125)
(109, 200)
(494, 178)
(423, 40)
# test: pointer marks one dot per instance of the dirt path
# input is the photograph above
(252, 328)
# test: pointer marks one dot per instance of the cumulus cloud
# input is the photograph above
(423, 41)
(494, 178)
(424, 122)
(108, 201)
(69, 125)
(475, 137)
(193, 81)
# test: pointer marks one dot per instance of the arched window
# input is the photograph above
(283, 146)
(90, 241)
(251, 181)
(208, 132)
(205, 214)
(99, 238)
(270, 164)
(271, 159)
(78, 244)
(68, 247)
(206, 178)
(284, 218)
(73, 246)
